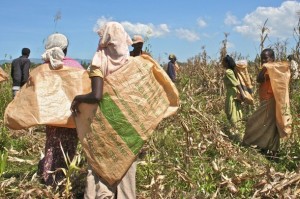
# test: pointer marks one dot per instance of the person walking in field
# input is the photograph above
(171, 69)
(114, 55)
(233, 105)
(20, 71)
(272, 120)
(55, 54)
(129, 97)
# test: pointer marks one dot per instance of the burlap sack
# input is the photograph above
(46, 98)
(3, 75)
(244, 78)
(279, 73)
(136, 98)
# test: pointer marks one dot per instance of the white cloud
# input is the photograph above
(187, 34)
(201, 23)
(149, 30)
(231, 19)
(281, 20)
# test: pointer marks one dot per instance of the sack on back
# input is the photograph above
(243, 76)
(46, 98)
(135, 99)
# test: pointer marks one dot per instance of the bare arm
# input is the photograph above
(91, 98)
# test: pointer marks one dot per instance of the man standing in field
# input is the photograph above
(137, 44)
(171, 70)
(20, 70)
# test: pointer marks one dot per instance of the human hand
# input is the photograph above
(74, 106)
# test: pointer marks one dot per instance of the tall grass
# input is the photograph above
(5, 98)
(6, 94)
(192, 154)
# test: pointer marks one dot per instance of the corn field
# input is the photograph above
(193, 154)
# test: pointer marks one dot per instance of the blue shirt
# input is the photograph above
(171, 71)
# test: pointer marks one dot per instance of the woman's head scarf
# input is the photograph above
(54, 46)
(112, 52)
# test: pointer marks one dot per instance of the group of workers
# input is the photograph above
(272, 119)
(262, 129)
(112, 54)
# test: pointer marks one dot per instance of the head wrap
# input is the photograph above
(112, 52)
(55, 44)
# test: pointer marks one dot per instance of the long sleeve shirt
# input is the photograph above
(20, 71)
(171, 71)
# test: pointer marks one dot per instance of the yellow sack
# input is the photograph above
(243, 76)
(46, 98)
(135, 99)
(279, 73)
(3, 75)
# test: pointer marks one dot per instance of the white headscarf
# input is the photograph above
(55, 44)
(112, 52)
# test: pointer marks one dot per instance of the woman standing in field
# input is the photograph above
(232, 104)
(112, 54)
(272, 120)
(55, 54)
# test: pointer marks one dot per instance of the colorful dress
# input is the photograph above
(56, 136)
(54, 158)
(232, 105)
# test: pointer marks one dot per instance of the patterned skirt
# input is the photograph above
(54, 158)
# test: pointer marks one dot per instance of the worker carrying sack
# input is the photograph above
(46, 98)
(136, 98)
(243, 76)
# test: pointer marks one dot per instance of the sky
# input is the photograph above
(181, 27)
